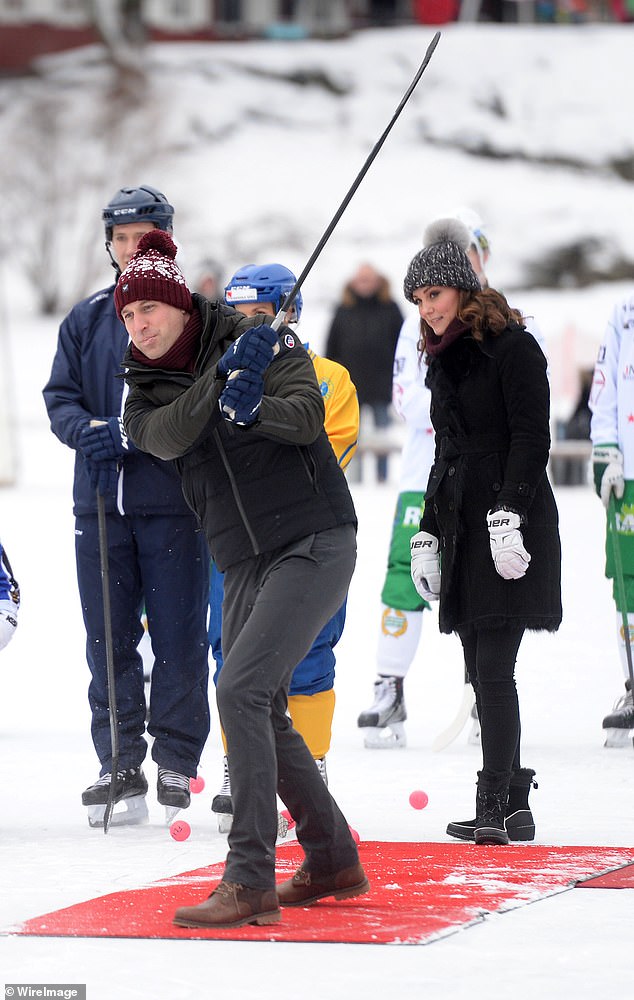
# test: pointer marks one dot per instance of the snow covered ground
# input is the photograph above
(564, 94)
(575, 944)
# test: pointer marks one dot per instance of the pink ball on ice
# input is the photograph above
(418, 799)
(180, 830)
(196, 785)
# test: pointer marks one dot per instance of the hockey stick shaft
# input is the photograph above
(290, 298)
(457, 724)
(620, 585)
(107, 623)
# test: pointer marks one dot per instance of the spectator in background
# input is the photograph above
(209, 280)
(362, 337)
(571, 470)
(382, 13)
(577, 427)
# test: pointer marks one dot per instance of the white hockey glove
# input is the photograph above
(425, 565)
(507, 545)
(607, 469)
(8, 622)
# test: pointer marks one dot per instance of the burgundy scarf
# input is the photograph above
(181, 355)
(436, 345)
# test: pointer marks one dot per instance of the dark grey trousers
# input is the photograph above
(274, 607)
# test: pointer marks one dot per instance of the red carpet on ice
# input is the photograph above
(621, 878)
(419, 892)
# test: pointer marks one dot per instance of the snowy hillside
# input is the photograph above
(256, 144)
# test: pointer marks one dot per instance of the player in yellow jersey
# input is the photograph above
(261, 289)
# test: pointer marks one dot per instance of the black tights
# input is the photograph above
(490, 656)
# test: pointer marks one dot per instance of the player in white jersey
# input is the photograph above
(612, 433)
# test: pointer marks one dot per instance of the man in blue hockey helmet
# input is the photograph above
(264, 283)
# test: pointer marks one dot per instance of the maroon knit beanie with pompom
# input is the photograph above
(152, 275)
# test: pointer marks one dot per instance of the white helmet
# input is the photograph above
(477, 231)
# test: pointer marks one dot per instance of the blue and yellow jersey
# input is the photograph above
(341, 422)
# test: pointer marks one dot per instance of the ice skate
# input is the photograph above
(620, 722)
(383, 721)
(130, 791)
(474, 735)
(222, 806)
(172, 791)
(321, 767)
(221, 803)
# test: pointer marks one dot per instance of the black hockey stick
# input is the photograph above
(107, 624)
(620, 584)
(290, 298)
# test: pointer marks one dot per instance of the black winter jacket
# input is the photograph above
(490, 411)
(254, 489)
(362, 338)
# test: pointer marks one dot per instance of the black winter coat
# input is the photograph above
(362, 338)
(254, 489)
(490, 411)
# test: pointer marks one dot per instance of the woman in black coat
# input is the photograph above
(488, 546)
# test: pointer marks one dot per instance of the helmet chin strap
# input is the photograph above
(112, 260)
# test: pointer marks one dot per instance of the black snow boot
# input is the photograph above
(519, 822)
(491, 801)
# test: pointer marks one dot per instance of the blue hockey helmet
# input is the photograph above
(263, 283)
(140, 204)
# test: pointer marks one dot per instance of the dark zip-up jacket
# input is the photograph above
(254, 489)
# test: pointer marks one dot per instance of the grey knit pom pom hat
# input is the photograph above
(443, 260)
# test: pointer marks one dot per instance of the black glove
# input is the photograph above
(253, 350)
(105, 440)
(241, 397)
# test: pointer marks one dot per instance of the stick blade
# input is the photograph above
(454, 729)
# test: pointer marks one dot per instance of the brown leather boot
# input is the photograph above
(231, 905)
(303, 888)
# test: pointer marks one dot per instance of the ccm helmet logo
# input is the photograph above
(124, 211)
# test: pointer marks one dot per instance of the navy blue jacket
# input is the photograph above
(86, 384)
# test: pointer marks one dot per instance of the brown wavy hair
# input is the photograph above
(486, 309)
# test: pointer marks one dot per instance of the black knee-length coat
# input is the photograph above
(490, 411)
